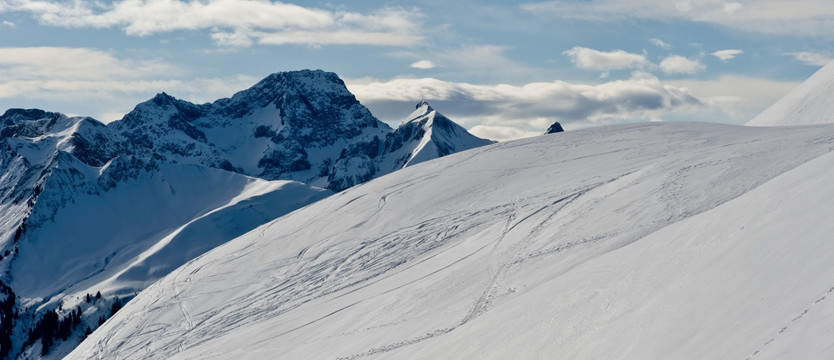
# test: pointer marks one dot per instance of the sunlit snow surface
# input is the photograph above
(646, 241)
(810, 103)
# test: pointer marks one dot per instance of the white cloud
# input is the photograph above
(811, 58)
(528, 108)
(34, 63)
(727, 54)
(337, 37)
(89, 81)
(233, 22)
(8, 24)
(232, 39)
(423, 64)
(590, 59)
(677, 64)
(660, 43)
(733, 7)
(791, 17)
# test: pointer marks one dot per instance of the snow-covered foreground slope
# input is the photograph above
(810, 103)
(637, 241)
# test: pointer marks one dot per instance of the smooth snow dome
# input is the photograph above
(644, 241)
(810, 103)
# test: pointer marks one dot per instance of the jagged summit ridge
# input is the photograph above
(426, 134)
(422, 109)
(290, 125)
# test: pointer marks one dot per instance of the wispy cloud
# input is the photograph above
(482, 61)
(793, 17)
(8, 24)
(590, 59)
(660, 43)
(33, 63)
(728, 54)
(677, 64)
(232, 22)
(528, 108)
(811, 58)
(83, 75)
(423, 64)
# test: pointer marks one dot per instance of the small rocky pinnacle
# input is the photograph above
(555, 128)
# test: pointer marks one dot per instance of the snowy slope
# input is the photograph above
(80, 219)
(636, 241)
(810, 103)
(156, 214)
(117, 239)
(87, 207)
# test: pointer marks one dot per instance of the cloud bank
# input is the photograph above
(503, 111)
(790, 17)
(79, 76)
(231, 22)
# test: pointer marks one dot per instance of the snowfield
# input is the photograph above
(643, 241)
(810, 103)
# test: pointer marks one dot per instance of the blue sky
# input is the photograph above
(502, 69)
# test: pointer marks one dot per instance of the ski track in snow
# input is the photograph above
(787, 326)
(580, 197)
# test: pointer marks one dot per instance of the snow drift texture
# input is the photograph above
(646, 241)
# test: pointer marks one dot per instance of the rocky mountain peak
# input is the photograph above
(555, 128)
(13, 116)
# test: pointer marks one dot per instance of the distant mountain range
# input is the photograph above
(91, 208)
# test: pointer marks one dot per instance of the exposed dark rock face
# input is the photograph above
(555, 128)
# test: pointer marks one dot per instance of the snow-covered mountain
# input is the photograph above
(810, 103)
(644, 241)
(80, 224)
(301, 125)
(426, 135)
(291, 126)
(91, 208)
